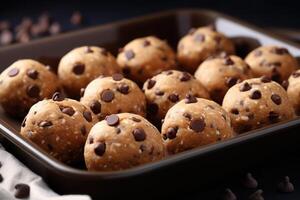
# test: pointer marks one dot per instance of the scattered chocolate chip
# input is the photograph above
(279, 51)
(229, 195)
(296, 74)
(231, 81)
(78, 68)
(199, 37)
(265, 79)
(171, 132)
(152, 108)
(83, 130)
(13, 72)
(23, 125)
(57, 96)
(185, 76)
(136, 119)
(117, 77)
(89, 50)
(159, 93)
(197, 125)
(95, 107)
(256, 195)
(129, 54)
(228, 61)
(100, 149)
(146, 43)
(187, 115)
(173, 98)
(190, 99)
(285, 186)
(82, 90)
(112, 120)
(257, 53)
(256, 94)
(234, 111)
(123, 88)
(285, 84)
(45, 124)
(276, 99)
(67, 110)
(192, 31)
(139, 134)
(245, 87)
(88, 116)
(33, 74)
(273, 117)
(150, 84)
(107, 95)
(250, 182)
(1, 178)
(22, 191)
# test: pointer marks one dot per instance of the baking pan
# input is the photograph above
(180, 173)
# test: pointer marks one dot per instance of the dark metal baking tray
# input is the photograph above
(176, 174)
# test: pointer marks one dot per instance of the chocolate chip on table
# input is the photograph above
(33, 74)
(88, 116)
(117, 77)
(100, 149)
(228, 195)
(67, 110)
(129, 54)
(250, 182)
(256, 94)
(123, 88)
(150, 84)
(173, 98)
(285, 186)
(57, 96)
(78, 68)
(139, 134)
(231, 81)
(199, 37)
(185, 77)
(146, 43)
(22, 191)
(107, 95)
(112, 120)
(245, 87)
(189, 98)
(265, 79)
(82, 90)
(95, 107)
(152, 108)
(276, 99)
(45, 124)
(197, 125)
(83, 130)
(228, 61)
(257, 195)
(171, 132)
(273, 117)
(13, 72)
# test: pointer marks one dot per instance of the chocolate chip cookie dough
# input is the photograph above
(145, 57)
(59, 126)
(82, 65)
(111, 95)
(272, 61)
(23, 84)
(195, 122)
(199, 44)
(122, 141)
(293, 90)
(219, 73)
(257, 102)
(167, 88)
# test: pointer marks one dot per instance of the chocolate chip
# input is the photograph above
(117, 77)
(1, 178)
(139, 134)
(33, 74)
(285, 186)
(146, 43)
(67, 110)
(199, 37)
(231, 81)
(169, 72)
(159, 93)
(265, 79)
(107, 95)
(273, 117)
(82, 90)
(123, 88)
(256, 94)
(13, 72)
(285, 84)
(296, 74)
(250, 182)
(104, 52)
(171, 132)
(256, 195)
(152, 108)
(257, 53)
(112, 120)
(100, 149)
(22, 191)
(185, 76)
(95, 107)
(280, 51)
(190, 99)
(228, 61)
(245, 87)
(136, 119)
(173, 98)
(197, 125)
(88, 116)
(78, 68)
(187, 115)
(142, 148)
(129, 54)
(0, 164)
(57, 96)
(150, 84)
(83, 130)
(118, 130)
(229, 195)
(234, 111)
(276, 99)
(45, 124)
(91, 140)
(23, 123)
(88, 50)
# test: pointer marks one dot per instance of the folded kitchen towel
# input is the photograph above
(14, 172)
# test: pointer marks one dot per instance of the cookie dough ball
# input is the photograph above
(23, 84)
(293, 90)
(220, 73)
(111, 95)
(199, 44)
(82, 65)
(60, 127)
(167, 88)
(195, 122)
(272, 61)
(257, 102)
(145, 57)
(122, 141)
